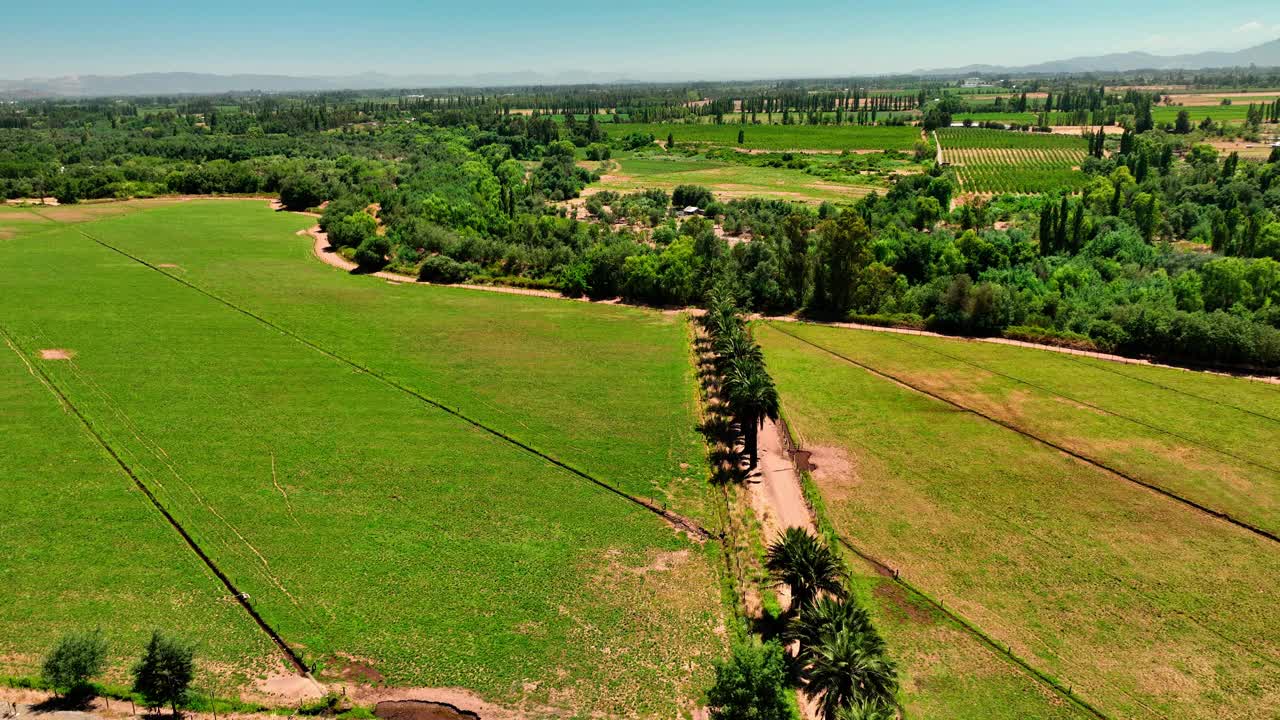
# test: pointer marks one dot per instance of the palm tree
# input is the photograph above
(752, 398)
(849, 668)
(823, 616)
(806, 565)
(867, 710)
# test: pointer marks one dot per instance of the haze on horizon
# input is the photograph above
(718, 40)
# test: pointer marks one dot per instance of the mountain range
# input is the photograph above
(1264, 55)
(190, 83)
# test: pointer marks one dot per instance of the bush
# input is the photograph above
(895, 320)
(299, 192)
(73, 662)
(352, 230)
(1044, 336)
(691, 195)
(163, 675)
(445, 270)
(372, 253)
(752, 684)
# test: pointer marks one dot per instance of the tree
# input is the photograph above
(751, 684)
(843, 251)
(691, 195)
(671, 140)
(163, 675)
(806, 566)
(1182, 125)
(73, 662)
(301, 191)
(824, 615)
(849, 668)
(742, 137)
(752, 398)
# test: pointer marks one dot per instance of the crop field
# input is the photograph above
(779, 137)
(728, 180)
(1110, 569)
(336, 446)
(999, 161)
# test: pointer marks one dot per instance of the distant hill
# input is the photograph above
(1264, 55)
(188, 83)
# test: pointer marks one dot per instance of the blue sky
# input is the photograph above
(712, 38)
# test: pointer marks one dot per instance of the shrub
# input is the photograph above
(445, 270)
(1043, 336)
(302, 191)
(73, 662)
(352, 230)
(372, 253)
(695, 195)
(751, 684)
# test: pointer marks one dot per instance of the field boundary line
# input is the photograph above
(1225, 517)
(1090, 405)
(1004, 651)
(240, 597)
(1171, 389)
(826, 527)
(691, 526)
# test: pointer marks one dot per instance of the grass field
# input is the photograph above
(368, 526)
(727, 180)
(778, 137)
(1000, 161)
(1143, 605)
(116, 564)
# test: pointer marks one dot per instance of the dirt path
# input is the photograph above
(776, 492)
(778, 500)
(322, 250)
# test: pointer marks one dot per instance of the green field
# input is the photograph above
(727, 179)
(367, 525)
(1143, 605)
(1003, 161)
(778, 137)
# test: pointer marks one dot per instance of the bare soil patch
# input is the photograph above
(288, 686)
(421, 710)
(56, 354)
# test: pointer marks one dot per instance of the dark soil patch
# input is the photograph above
(893, 598)
(351, 670)
(421, 710)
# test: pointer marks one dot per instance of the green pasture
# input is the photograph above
(366, 525)
(1145, 607)
(84, 549)
(778, 137)
(729, 179)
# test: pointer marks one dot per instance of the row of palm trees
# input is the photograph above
(745, 384)
(841, 658)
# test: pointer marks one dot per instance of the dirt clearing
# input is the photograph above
(56, 354)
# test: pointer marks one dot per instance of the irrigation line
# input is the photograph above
(1103, 366)
(240, 597)
(691, 526)
(1091, 406)
(990, 642)
(883, 568)
(1266, 534)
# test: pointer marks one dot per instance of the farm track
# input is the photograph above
(1105, 411)
(689, 525)
(1220, 515)
(241, 598)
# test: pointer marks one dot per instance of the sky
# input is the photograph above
(710, 38)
